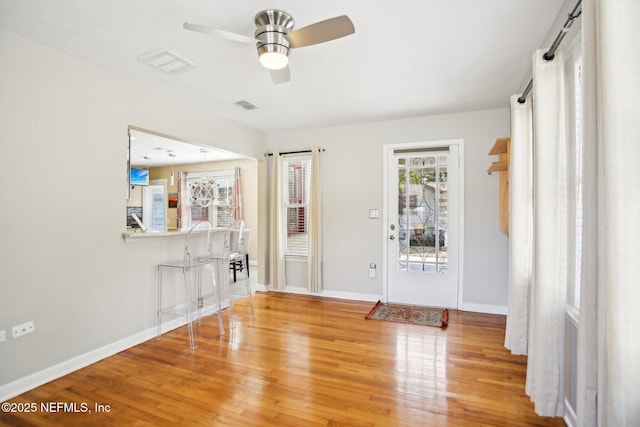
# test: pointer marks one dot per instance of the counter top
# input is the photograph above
(139, 235)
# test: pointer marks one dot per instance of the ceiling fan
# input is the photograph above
(274, 38)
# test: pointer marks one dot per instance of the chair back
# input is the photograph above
(194, 249)
(239, 238)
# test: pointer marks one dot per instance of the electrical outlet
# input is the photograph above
(23, 329)
(3, 335)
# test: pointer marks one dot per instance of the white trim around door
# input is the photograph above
(389, 150)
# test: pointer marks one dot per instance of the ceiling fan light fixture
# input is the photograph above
(274, 60)
(274, 37)
(273, 56)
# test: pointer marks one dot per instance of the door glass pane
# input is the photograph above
(443, 215)
(422, 214)
(157, 210)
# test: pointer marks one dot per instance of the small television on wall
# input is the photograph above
(139, 176)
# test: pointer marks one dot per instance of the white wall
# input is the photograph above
(352, 179)
(63, 261)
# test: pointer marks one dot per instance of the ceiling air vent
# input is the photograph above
(246, 105)
(167, 61)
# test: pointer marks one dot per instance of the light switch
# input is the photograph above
(374, 213)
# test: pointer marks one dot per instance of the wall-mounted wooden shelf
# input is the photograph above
(498, 167)
(502, 148)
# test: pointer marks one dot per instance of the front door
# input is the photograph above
(422, 225)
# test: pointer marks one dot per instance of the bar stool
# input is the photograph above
(236, 239)
(239, 256)
(190, 265)
(218, 260)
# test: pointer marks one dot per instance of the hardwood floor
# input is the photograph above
(302, 361)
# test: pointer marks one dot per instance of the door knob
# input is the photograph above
(392, 237)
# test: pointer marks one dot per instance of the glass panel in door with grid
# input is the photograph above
(422, 214)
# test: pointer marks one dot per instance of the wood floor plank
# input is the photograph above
(302, 361)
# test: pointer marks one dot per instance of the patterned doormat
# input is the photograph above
(427, 316)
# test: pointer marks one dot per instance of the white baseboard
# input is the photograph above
(327, 293)
(484, 308)
(259, 287)
(478, 308)
(22, 385)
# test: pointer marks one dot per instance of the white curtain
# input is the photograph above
(545, 373)
(520, 225)
(183, 202)
(608, 344)
(314, 261)
(277, 226)
(237, 194)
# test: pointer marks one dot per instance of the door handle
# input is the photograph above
(392, 237)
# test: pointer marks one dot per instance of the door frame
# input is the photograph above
(388, 150)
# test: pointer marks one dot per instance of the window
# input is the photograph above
(224, 205)
(573, 85)
(573, 78)
(219, 214)
(578, 183)
(297, 197)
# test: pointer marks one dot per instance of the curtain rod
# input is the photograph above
(575, 13)
(291, 152)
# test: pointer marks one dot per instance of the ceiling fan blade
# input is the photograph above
(227, 35)
(322, 31)
(280, 76)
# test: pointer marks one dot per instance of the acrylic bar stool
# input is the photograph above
(191, 268)
(239, 255)
(218, 258)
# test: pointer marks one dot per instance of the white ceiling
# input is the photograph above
(407, 58)
(151, 150)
